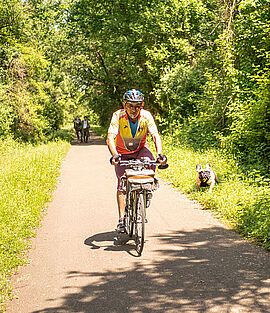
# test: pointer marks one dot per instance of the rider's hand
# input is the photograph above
(115, 159)
(162, 159)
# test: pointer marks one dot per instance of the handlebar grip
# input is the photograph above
(163, 167)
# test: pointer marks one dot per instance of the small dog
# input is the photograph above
(206, 177)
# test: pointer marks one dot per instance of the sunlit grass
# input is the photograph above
(241, 199)
(28, 176)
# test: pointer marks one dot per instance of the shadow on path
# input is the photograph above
(207, 270)
(110, 241)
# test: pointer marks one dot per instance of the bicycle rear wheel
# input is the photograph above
(140, 224)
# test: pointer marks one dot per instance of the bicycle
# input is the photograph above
(139, 182)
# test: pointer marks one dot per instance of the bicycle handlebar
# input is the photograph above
(142, 163)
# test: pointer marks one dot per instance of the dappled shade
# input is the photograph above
(203, 271)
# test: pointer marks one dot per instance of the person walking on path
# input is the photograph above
(78, 128)
(127, 140)
(85, 129)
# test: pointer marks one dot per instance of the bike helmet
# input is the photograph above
(133, 95)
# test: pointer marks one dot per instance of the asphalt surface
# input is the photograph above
(190, 263)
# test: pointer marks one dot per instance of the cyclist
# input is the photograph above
(127, 140)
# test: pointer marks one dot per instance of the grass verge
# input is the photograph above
(28, 176)
(241, 199)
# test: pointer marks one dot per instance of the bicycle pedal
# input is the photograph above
(120, 231)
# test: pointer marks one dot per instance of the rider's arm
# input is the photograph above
(152, 129)
(158, 143)
(112, 133)
(111, 144)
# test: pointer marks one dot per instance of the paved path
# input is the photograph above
(190, 263)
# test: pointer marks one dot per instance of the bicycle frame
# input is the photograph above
(139, 182)
(132, 199)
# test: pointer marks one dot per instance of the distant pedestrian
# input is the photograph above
(78, 128)
(85, 129)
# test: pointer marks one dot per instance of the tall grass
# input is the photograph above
(242, 198)
(28, 176)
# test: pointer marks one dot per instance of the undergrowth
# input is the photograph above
(99, 130)
(28, 176)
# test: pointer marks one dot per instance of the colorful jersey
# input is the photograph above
(124, 141)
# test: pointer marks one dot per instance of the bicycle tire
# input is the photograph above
(129, 223)
(140, 224)
(129, 218)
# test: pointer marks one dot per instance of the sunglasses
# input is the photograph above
(134, 106)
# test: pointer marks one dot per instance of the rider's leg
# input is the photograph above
(121, 195)
(145, 152)
(121, 201)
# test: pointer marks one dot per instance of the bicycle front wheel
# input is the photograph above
(129, 222)
(140, 224)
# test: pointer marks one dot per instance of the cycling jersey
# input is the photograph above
(125, 142)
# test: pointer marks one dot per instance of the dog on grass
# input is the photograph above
(206, 177)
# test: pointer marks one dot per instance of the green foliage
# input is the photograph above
(203, 65)
(12, 20)
(135, 45)
(233, 111)
(6, 114)
(179, 92)
(35, 92)
(63, 134)
(253, 217)
(27, 180)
